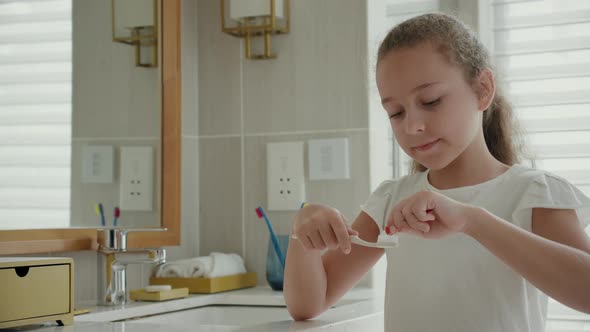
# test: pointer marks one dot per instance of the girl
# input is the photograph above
(482, 238)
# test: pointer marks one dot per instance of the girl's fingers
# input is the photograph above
(422, 209)
(328, 236)
(413, 222)
(390, 227)
(341, 233)
(397, 219)
(422, 215)
(305, 241)
(316, 240)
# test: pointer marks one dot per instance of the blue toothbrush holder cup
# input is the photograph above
(274, 269)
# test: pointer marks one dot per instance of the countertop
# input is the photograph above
(253, 309)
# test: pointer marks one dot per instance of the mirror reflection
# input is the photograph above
(80, 120)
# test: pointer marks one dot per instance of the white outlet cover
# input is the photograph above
(285, 176)
(137, 178)
(97, 164)
(329, 159)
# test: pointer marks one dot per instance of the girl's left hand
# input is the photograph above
(429, 215)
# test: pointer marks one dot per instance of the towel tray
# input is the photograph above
(209, 285)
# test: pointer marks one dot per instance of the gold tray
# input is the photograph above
(209, 285)
(142, 295)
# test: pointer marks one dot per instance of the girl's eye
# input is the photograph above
(432, 103)
(396, 115)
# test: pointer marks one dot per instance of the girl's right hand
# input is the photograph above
(319, 227)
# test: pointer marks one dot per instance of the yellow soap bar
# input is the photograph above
(142, 295)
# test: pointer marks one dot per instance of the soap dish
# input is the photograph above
(142, 295)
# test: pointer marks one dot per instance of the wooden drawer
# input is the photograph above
(34, 291)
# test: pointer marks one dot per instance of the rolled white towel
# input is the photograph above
(225, 264)
(185, 268)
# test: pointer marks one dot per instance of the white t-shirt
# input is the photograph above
(455, 284)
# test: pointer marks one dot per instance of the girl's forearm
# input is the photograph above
(560, 271)
(304, 282)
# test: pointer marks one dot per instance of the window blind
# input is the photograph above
(541, 49)
(35, 113)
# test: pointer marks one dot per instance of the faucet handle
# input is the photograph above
(116, 238)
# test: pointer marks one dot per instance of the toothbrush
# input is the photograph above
(100, 212)
(116, 214)
(261, 214)
(384, 240)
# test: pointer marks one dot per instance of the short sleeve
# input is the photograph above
(377, 205)
(551, 192)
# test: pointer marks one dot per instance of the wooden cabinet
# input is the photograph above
(35, 290)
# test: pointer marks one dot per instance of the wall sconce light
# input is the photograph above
(253, 18)
(136, 24)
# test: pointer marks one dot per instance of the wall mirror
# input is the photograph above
(80, 111)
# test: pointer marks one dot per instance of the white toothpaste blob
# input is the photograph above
(386, 239)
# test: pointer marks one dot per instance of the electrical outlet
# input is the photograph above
(285, 177)
(137, 174)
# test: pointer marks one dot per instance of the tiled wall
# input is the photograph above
(316, 88)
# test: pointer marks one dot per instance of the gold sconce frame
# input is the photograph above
(140, 37)
(256, 26)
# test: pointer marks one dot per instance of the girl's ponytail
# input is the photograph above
(499, 131)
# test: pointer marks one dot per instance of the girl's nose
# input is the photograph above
(414, 123)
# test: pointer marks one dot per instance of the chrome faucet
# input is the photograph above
(113, 258)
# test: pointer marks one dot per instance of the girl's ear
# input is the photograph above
(486, 89)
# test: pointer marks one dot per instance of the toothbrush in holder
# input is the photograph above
(100, 212)
(261, 214)
(116, 215)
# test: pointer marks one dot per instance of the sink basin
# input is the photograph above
(257, 309)
(219, 317)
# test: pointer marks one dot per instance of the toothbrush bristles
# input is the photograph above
(259, 213)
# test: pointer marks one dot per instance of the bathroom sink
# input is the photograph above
(219, 317)
(257, 309)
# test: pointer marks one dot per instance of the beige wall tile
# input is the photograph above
(318, 81)
(189, 62)
(220, 195)
(345, 195)
(219, 82)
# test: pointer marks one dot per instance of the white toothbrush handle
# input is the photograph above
(357, 240)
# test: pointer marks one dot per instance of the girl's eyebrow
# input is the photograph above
(425, 85)
(419, 87)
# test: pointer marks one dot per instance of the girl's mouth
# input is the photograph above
(427, 146)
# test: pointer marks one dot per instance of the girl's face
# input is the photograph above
(433, 111)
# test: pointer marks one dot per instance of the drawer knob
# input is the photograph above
(22, 271)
